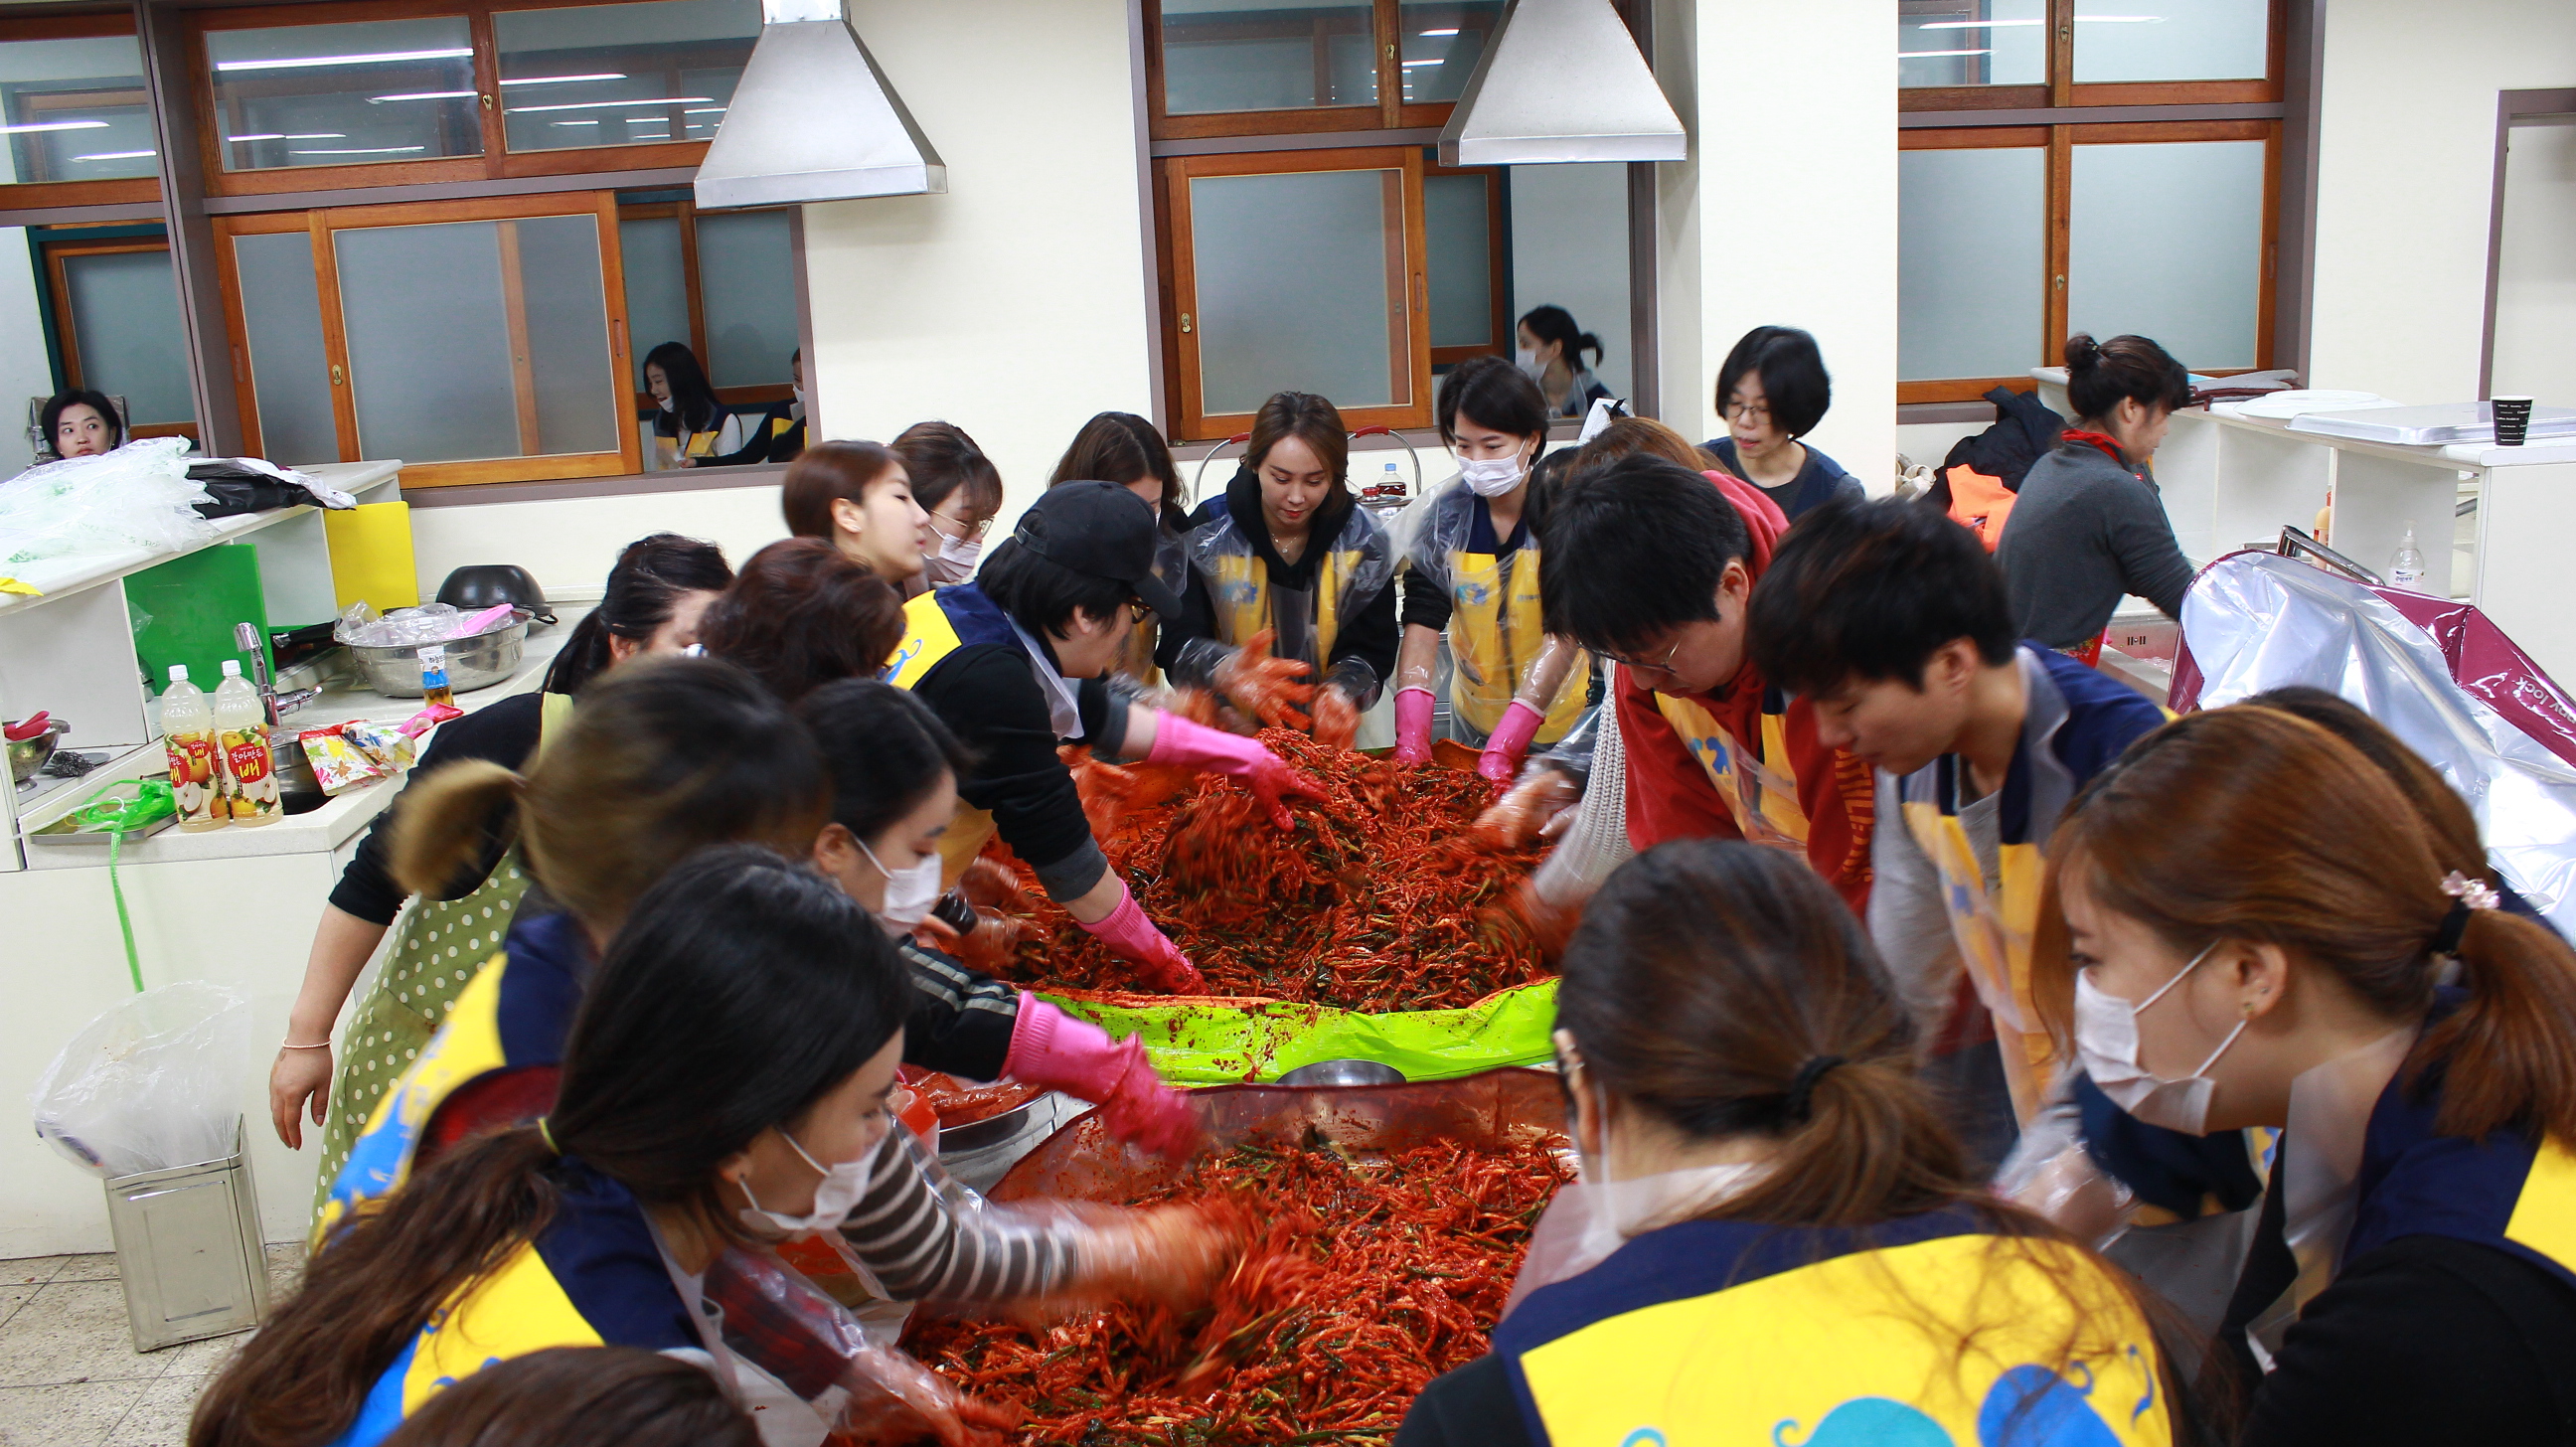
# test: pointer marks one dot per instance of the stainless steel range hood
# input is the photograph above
(813, 119)
(1562, 80)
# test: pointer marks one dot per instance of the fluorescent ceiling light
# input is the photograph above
(703, 111)
(592, 105)
(1923, 54)
(1435, 34)
(560, 79)
(1411, 64)
(358, 151)
(380, 57)
(424, 95)
(53, 126)
(572, 123)
(292, 136)
(117, 156)
(1974, 24)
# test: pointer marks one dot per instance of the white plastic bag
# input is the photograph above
(151, 1084)
(138, 496)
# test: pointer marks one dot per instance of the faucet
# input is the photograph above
(274, 704)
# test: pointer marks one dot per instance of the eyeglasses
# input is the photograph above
(964, 529)
(1137, 610)
(1665, 666)
(1754, 413)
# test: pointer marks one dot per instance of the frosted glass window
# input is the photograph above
(1292, 288)
(657, 286)
(75, 110)
(345, 95)
(1458, 237)
(290, 372)
(2172, 39)
(489, 363)
(1972, 42)
(1569, 247)
(1257, 55)
(1443, 40)
(747, 283)
(621, 75)
(2166, 241)
(1971, 268)
(125, 325)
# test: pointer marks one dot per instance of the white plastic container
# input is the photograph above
(250, 792)
(188, 737)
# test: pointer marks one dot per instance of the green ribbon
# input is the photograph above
(116, 818)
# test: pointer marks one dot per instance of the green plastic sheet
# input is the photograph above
(1220, 1042)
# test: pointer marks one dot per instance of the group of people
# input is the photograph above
(1961, 1015)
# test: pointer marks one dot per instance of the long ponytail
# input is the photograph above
(446, 819)
(2510, 1049)
(643, 591)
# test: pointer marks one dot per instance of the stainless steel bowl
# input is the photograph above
(26, 756)
(1343, 1072)
(477, 662)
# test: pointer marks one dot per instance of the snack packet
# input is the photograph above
(339, 764)
(384, 743)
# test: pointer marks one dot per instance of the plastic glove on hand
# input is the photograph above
(1413, 707)
(1056, 1050)
(1133, 938)
(1174, 1255)
(1337, 719)
(1179, 742)
(1526, 919)
(1539, 807)
(988, 883)
(1263, 686)
(1510, 741)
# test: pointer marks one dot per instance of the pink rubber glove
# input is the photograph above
(1183, 744)
(1133, 938)
(1413, 725)
(1053, 1049)
(1501, 759)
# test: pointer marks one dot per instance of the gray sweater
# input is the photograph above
(2083, 532)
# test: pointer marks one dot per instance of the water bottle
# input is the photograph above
(2406, 566)
(242, 745)
(188, 738)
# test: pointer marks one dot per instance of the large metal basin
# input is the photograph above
(477, 662)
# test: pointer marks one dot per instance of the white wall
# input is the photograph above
(2405, 179)
(1015, 304)
(24, 371)
(1570, 247)
(570, 543)
(1785, 212)
(2535, 341)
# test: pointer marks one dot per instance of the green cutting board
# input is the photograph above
(184, 611)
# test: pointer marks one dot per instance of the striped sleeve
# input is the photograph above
(927, 1238)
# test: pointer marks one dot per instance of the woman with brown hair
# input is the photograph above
(857, 497)
(1124, 448)
(958, 484)
(1290, 578)
(801, 614)
(1775, 1239)
(2248, 924)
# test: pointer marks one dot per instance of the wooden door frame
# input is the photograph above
(119, 191)
(67, 329)
(2058, 87)
(1409, 273)
(1498, 282)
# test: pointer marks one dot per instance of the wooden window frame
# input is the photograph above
(1390, 113)
(1180, 280)
(686, 213)
(1497, 266)
(322, 223)
(2060, 88)
(67, 331)
(2060, 141)
(496, 161)
(118, 191)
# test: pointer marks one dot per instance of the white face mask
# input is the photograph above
(1492, 476)
(835, 1197)
(1526, 359)
(956, 560)
(2106, 1037)
(909, 894)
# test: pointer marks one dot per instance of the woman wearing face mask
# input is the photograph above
(725, 1087)
(1775, 1239)
(1015, 664)
(962, 490)
(895, 769)
(1290, 579)
(81, 424)
(1551, 353)
(2316, 968)
(1124, 448)
(1474, 575)
(654, 598)
(777, 435)
(801, 616)
(1772, 391)
(691, 428)
(2089, 526)
(857, 497)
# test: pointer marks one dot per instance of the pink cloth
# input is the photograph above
(1133, 937)
(1413, 725)
(1510, 742)
(1053, 1049)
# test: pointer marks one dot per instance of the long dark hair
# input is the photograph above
(886, 750)
(52, 416)
(744, 988)
(1552, 323)
(802, 614)
(581, 1397)
(1124, 448)
(942, 460)
(662, 757)
(2099, 374)
(693, 401)
(642, 589)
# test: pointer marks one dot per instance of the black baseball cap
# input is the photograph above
(1100, 529)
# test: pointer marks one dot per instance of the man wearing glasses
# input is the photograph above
(1668, 561)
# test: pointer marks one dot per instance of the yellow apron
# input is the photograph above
(1762, 796)
(1494, 633)
(1241, 592)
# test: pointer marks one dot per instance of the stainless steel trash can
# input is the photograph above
(188, 1250)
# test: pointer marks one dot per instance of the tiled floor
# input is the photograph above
(69, 1374)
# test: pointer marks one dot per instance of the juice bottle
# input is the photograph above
(241, 732)
(188, 737)
(433, 677)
